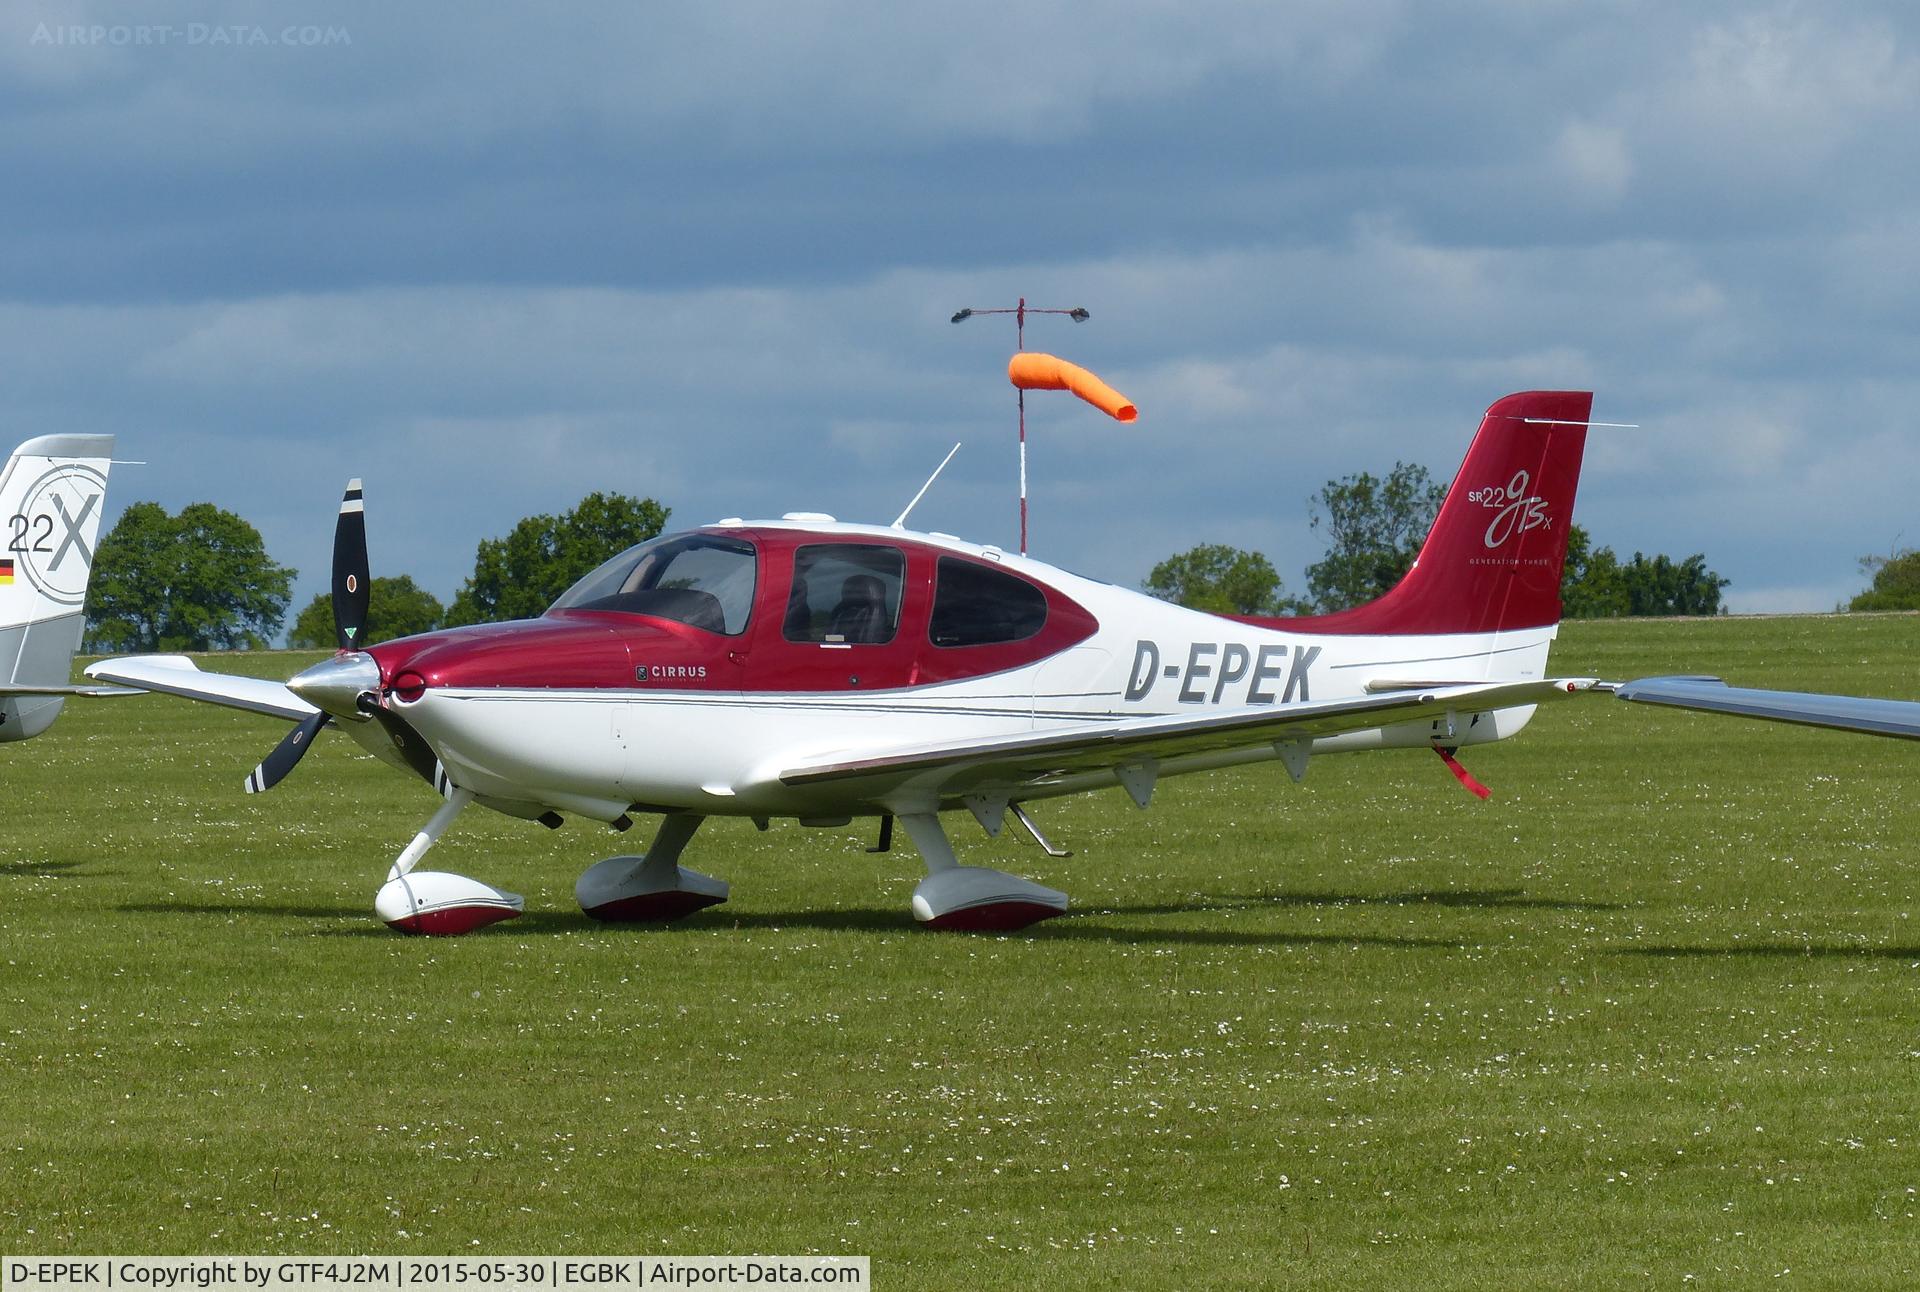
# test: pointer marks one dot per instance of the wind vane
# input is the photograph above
(1035, 371)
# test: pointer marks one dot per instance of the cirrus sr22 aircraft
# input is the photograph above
(808, 669)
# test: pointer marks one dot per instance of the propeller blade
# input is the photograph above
(275, 766)
(350, 590)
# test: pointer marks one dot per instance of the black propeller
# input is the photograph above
(274, 767)
(350, 590)
(350, 598)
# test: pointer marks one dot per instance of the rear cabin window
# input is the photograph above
(701, 580)
(845, 594)
(977, 605)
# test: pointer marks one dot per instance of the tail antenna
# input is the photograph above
(900, 521)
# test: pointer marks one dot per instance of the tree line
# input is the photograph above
(202, 579)
(1374, 527)
(1895, 582)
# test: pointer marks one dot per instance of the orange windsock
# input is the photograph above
(1031, 370)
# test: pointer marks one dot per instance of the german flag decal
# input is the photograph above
(6, 571)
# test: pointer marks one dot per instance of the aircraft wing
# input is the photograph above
(1899, 718)
(1035, 759)
(178, 675)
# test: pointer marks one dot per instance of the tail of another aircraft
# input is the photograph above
(1492, 560)
(51, 496)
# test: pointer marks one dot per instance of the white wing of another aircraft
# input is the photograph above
(52, 493)
(179, 675)
(1898, 718)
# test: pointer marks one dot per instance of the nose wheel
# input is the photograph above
(438, 903)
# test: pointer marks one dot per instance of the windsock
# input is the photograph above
(1031, 370)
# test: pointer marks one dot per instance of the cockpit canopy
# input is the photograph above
(703, 580)
(832, 610)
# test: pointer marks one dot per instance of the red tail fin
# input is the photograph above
(1493, 557)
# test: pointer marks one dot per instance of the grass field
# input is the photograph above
(1650, 1016)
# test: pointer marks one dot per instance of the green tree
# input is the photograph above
(1374, 529)
(519, 576)
(1598, 585)
(1896, 582)
(1592, 584)
(1662, 586)
(397, 607)
(201, 580)
(1221, 579)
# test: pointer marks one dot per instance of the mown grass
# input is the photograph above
(1651, 1014)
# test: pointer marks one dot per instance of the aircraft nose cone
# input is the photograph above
(335, 686)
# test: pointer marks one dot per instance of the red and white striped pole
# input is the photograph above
(1020, 312)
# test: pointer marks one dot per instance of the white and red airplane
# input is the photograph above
(804, 668)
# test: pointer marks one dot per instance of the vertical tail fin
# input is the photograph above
(1492, 560)
(52, 493)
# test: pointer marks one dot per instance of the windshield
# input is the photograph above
(702, 580)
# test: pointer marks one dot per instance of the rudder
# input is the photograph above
(52, 493)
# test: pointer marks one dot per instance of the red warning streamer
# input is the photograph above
(1462, 775)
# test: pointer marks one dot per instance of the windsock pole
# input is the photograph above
(1020, 343)
(1020, 313)
(1022, 395)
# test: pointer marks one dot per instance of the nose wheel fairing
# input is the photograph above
(437, 903)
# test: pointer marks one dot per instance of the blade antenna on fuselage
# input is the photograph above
(900, 521)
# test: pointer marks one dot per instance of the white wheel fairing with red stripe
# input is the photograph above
(823, 671)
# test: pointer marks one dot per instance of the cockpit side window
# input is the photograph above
(702, 580)
(977, 605)
(845, 594)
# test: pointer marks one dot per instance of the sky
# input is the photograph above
(492, 261)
